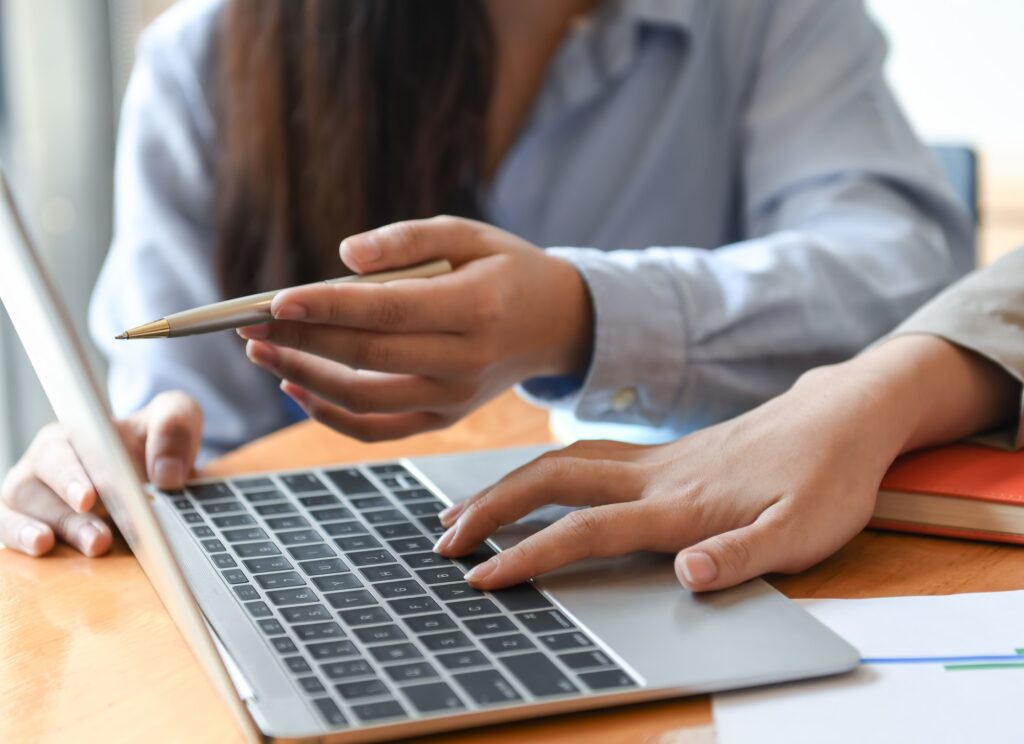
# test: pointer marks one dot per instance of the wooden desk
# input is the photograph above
(87, 651)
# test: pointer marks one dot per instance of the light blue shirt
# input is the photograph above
(749, 200)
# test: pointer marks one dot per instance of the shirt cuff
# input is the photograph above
(638, 364)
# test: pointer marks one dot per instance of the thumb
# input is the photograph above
(733, 557)
(414, 241)
(174, 426)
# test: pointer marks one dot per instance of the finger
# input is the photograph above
(357, 391)
(408, 306)
(738, 555)
(85, 531)
(364, 427)
(25, 534)
(415, 241)
(174, 426)
(550, 479)
(420, 353)
(56, 464)
(588, 533)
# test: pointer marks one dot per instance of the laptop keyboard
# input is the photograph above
(336, 569)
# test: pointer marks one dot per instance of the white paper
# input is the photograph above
(909, 701)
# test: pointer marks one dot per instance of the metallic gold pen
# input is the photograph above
(252, 309)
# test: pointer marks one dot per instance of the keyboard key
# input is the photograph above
(538, 674)
(429, 623)
(545, 621)
(425, 560)
(258, 609)
(424, 508)
(331, 650)
(303, 483)
(350, 481)
(324, 499)
(234, 576)
(490, 625)
(432, 525)
(269, 510)
(267, 565)
(607, 679)
(385, 516)
(462, 659)
(255, 550)
(586, 659)
(473, 608)
(361, 689)
(378, 711)
(192, 517)
(306, 614)
(341, 529)
(202, 531)
(303, 595)
(409, 672)
(347, 669)
(371, 557)
(432, 698)
(213, 546)
(271, 627)
(564, 641)
(508, 643)
(478, 556)
(222, 507)
(252, 484)
(337, 582)
(411, 544)
(350, 600)
(280, 580)
(182, 504)
(233, 520)
(365, 616)
(376, 574)
(297, 664)
(357, 542)
(380, 634)
(319, 632)
(293, 522)
(394, 589)
(210, 491)
(330, 712)
(323, 566)
(336, 514)
(313, 551)
(402, 529)
(414, 605)
(245, 534)
(397, 652)
(392, 482)
(223, 560)
(414, 494)
(246, 592)
(521, 597)
(446, 641)
(440, 575)
(388, 468)
(262, 497)
(284, 645)
(451, 592)
(311, 685)
(486, 687)
(370, 502)
(301, 537)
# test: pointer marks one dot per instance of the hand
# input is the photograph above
(775, 490)
(382, 361)
(47, 493)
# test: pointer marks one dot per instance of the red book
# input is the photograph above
(962, 490)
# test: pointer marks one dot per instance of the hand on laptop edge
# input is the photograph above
(47, 494)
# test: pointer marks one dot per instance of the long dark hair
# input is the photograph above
(337, 116)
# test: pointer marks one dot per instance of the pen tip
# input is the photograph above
(121, 336)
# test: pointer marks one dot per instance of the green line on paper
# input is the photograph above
(1004, 665)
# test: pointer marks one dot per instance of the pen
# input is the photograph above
(252, 309)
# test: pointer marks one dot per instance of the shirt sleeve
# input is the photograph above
(984, 313)
(849, 227)
(161, 259)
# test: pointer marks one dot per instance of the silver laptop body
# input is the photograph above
(315, 606)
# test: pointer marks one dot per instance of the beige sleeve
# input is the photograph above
(983, 312)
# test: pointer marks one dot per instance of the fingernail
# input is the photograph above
(76, 493)
(295, 393)
(290, 312)
(168, 472)
(482, 571)
(260, 353)
(87, 537)
(365, 250)
(260, 331)
(698, 568)
(445, 540)
(447, 516)
(30, 535)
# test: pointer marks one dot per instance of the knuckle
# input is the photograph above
(391, 312)
(372, 353)
(582, 525)
(14, 484)
(356, 400)
(404, 234)
(67, 523)
(733, 553)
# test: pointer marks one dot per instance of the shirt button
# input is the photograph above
(624, 399)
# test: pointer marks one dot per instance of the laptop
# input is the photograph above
(317, 608)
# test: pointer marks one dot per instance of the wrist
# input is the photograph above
(571, 323)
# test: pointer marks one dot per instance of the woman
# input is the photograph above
(758, 139)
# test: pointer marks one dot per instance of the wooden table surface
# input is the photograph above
(88, 653)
